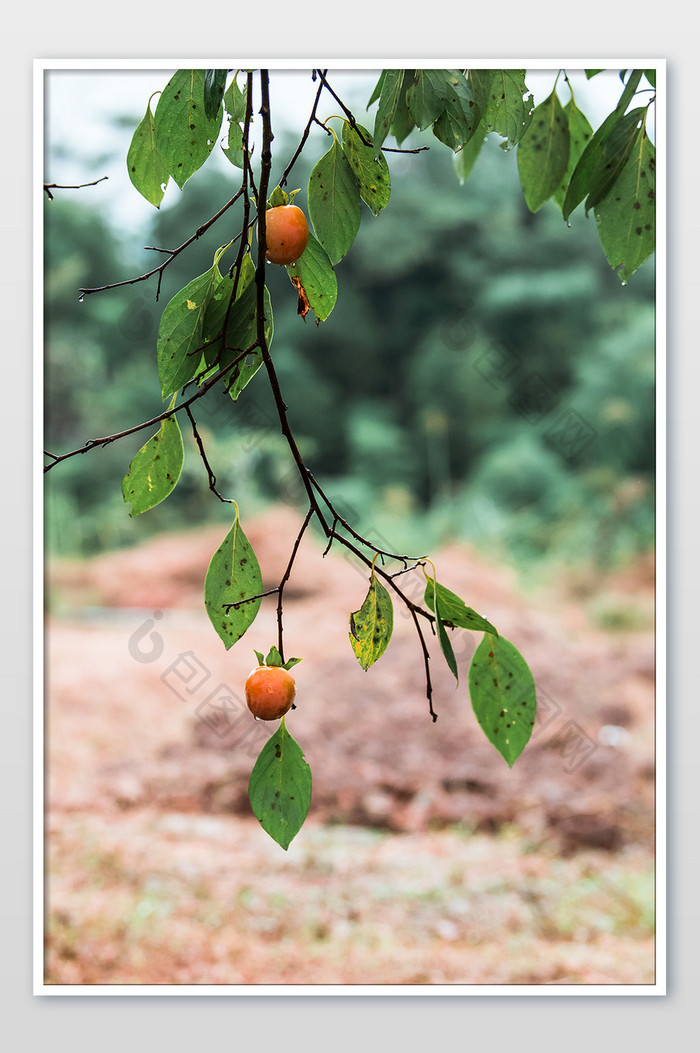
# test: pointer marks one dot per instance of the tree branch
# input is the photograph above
(48, 187)
(310, 485)
(94, 443)
(172, 255)
(285, 579)
(319, 505)
(353, 123)
(337, 518)
(205, 460)
(305, 134)
(265, 168)
(350, 116)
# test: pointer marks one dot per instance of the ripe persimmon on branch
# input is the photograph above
(217, 332)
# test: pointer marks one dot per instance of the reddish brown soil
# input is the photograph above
(424, 860)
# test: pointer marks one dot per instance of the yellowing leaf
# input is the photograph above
(156, 468)
(372, 625)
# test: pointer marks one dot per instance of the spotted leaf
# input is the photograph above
(503, 696)
(371, 627)
(233, 576)
(279, 788)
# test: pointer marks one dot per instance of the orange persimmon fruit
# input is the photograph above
(286, 233)
(269, 692)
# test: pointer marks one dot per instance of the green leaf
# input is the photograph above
(235, 101)
(370, 171)
(465, 159)
(591, 158)
(377, 90)
(453, 610)
(218, 305)
(314, 272)
(280, 787)
(240, 333)
(214, 84)
(444, 639)
(273, 657)
(371, 627)
(147, 169)
(629, 89)
(459, 119)
(334, 202)
(617, 149)
(184, 134)
(156, 468)
(650, 75)
(180, 333)
(625, 218)
(595, 167)
(427, 96)
(241, 329)
(388, 102)
(592, 73)
(233, 575)
(498, 94)
(234, 150)
(503, 695)
(580, 131)
(543, 152)
(403, 124)
(280, 197)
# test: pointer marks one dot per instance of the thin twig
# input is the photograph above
(94, 443)
(426, 663)
(249, 599)
(205, 460)
(285, 579)
(48, 187)
(414, 610)
(353, 123)
(331, 537)
(404, 149)
(305, 134)
(337, 518)
(173, 254)
(346, 111)
(407, 570)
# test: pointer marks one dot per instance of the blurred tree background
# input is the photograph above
(484, 377)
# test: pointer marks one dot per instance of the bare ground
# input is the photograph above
(424, 860)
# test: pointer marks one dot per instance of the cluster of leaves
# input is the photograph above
(217, 330)
(560, 157)
(501, 686)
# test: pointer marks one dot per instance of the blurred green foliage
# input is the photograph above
(484, 375)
